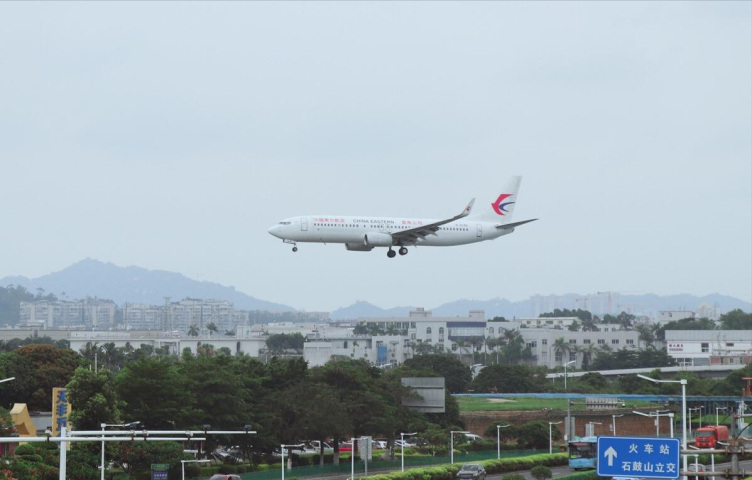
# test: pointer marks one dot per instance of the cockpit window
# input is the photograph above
(285, 223)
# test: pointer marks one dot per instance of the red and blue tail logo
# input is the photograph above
(499, 207)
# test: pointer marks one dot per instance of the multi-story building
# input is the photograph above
(93, 314)
(709, 347)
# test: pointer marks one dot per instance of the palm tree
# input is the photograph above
(193, 330)
(560, 348)
(212, 327)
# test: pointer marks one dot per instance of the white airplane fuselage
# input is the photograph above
(363, 234)
(353, 230)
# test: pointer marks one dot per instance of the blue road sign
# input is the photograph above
(649, 457)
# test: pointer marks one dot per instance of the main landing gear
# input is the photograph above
(291, 242)
(391, 253)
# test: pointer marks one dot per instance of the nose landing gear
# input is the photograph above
(291, 242)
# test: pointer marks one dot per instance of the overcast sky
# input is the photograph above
(172, 135)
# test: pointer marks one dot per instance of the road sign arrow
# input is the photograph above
(611, 454)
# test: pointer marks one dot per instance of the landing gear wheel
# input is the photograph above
(294, 249)
(403, 251)
(391, 253)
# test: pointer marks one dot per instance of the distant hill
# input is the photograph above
(362, 309)
(92, 278)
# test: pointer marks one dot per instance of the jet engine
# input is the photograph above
(377, 239)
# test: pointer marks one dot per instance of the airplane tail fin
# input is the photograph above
(500, 209)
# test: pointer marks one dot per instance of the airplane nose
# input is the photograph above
(274, 230)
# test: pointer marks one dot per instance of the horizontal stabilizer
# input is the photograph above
(507, 226)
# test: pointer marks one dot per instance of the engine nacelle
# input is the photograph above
(358, 247)
(378, 239)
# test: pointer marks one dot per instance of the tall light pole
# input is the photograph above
(283, 456)
(103, 425)
(451, 443)
(693, 409)
(402, 444)
(183, 462)
(613, 422)
(683, 382)
(716, 413)
(498, 440)
(550, 437)
(565, 373)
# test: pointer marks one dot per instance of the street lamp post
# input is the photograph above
(498, 440)
(613, 422)
(683, 382)
(402, 445)
(716, 413)
(550, 437)
(283, 456)
(565, 373)
(104, 425)
(451, 443)
(183, 462)
(690, 410)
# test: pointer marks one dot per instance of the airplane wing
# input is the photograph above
(412, 235)
(507, 226)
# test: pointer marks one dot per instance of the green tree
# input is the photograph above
(93, 399)
(281, 342)
(53, 367)
(684, 324)
(212, 327)
(137, 457)
(506, 433)
(193, 330)
(155, 392)
(511, 379)
(736, 320)
(535, 435)
(456, 374)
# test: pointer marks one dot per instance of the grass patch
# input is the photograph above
(474, 404)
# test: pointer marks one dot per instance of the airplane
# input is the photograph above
(363, 234)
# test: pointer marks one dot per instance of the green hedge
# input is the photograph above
(449, 472)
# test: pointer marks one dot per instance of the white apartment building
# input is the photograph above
(666, 316)
(93, 314)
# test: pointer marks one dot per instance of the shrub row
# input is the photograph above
(449, 472)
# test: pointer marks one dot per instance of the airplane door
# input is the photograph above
(304, 224)
(479, 232)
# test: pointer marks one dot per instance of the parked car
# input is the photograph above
(224, 476)
(345, 447)
(696, 467)
(472, 471)
(471, 437)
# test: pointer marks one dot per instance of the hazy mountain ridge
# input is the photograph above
(93, 278)
(500, 307)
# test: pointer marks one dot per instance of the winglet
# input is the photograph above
(467, 209)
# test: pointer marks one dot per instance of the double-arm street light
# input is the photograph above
(498, 440)
(402, 445)
(657, 416)
(683, 382)
(550, 437)
(451, 443)
(104, 425)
